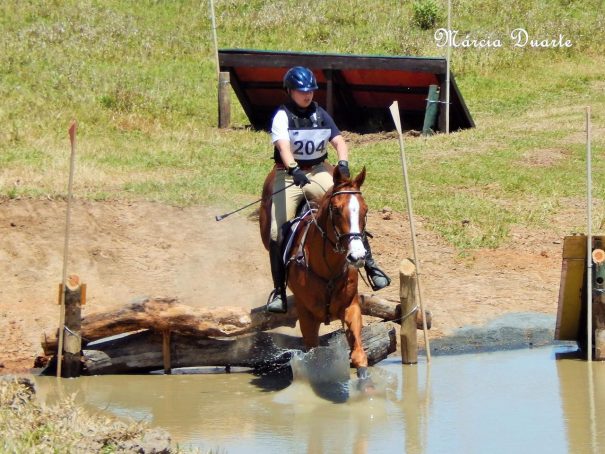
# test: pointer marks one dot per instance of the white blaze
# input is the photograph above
(356, 249)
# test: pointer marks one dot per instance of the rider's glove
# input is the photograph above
(299, 177)
(343, 167)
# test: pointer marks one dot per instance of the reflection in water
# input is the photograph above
(522, 401)
(583, 401)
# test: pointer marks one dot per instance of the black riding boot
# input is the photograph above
(378, 278)
(277, 301)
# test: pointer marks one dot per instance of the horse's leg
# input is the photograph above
(309, 327)
(353, 323)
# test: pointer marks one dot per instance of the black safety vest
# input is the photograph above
(309, 137)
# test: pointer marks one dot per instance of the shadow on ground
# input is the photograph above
(508, 332)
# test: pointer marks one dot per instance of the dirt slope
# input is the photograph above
(125, 250)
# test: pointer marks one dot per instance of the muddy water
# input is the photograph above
(522, 401)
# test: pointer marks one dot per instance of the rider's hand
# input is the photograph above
(343, 168)
(299, 177)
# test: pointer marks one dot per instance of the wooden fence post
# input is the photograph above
(407, 297)
(224, 100)
(430, 114)
(75, 296)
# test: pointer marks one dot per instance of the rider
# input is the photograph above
(300, 132)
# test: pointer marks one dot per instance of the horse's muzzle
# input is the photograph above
(356, 262)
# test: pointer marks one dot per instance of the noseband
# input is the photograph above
(340, 237)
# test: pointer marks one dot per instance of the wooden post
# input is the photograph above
(72, 160)
(394, 108)
(407, 297)
(224, 100)
(166, 352)
(329, 91)
(589, 244)
(72, 341)
(430, 114)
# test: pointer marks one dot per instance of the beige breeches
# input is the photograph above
(285, 203)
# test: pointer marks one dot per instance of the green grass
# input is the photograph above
(140, 79)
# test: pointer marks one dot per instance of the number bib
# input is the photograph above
(309, 144)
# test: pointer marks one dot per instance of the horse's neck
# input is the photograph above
(323, 259)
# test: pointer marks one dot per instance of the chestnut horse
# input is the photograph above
(323, 262)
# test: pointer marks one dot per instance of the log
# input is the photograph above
(161, 314)
(388, 310)
(142, 352)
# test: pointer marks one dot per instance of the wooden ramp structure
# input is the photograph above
(356, 90)
(572, 305)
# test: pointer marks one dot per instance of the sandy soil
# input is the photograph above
(126, 250)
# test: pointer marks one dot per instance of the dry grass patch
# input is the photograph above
(30, 427)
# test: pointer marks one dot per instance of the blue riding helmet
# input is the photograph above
(300, 78)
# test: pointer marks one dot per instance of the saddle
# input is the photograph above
(290, 228)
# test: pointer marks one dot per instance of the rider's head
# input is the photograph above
(300, 83)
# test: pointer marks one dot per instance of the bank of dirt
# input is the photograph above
(123, 250)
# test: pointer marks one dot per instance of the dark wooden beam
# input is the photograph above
(240, 92)
(254, 58)
(463, 116)
(329, 92)
(142, 352)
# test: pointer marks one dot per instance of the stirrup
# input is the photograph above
(375, 272)
(277, 302)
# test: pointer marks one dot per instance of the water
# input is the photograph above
(521, 401)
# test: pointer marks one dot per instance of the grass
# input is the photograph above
(28, 426)
(140, 79)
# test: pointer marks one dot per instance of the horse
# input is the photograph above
(323, 261)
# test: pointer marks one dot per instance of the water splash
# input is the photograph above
(325, 369)
(322, 364)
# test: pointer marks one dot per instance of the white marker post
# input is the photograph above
(588, 238)
(447, 67)
(72, 139)
(214, 38)
(395, 114)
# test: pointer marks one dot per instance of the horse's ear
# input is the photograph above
(336, 176)
(360, 178)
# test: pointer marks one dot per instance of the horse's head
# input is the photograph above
(347, 210)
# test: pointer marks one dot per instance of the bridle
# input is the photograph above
(340, 237)
(337, 245)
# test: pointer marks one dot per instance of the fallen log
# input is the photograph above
(167, 314)
(142, 352)
(388, 310)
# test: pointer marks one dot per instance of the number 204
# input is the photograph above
(308, 148)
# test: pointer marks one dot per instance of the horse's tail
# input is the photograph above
(264, 215)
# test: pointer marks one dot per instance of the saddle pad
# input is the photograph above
(291, 231)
